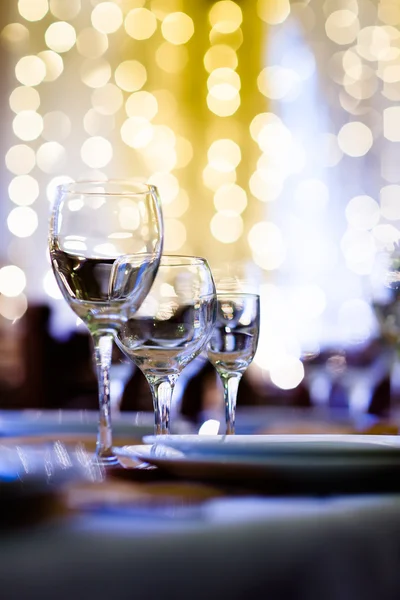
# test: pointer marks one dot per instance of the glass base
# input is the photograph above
(107, 461)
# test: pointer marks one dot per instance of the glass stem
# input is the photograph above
(231, 383)
(162, 389)
(102, 356)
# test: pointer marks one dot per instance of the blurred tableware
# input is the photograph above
(171, 328)
(233, 344)
(105, 246)
(291, 463)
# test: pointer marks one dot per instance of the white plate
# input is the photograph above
(316, 446)
(280, 463)
(284, 473)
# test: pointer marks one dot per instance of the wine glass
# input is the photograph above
(171, 328)
(233, 344)
(105, 246)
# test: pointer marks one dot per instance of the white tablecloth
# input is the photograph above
(345, 548)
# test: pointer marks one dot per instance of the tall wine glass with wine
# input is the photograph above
(105, 247)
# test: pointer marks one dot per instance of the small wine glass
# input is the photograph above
(105, 246)
(233, 344)
(171, 328)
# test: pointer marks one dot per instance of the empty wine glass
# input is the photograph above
(171, 328)
(105, 246)
(233, 344)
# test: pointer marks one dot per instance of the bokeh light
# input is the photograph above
(362, 212)
(20, 159)
(60, 36)
(390, 202)
(33, 10)
(28, 125)
(22, 221)
(51, 157)
(30, 70)
(107, 100)
(107, 17)
(140, 23)
(91, 43)
(56, 126)
(175, 235)
(13, 308)
(273, 13)
(355, 139)
(96, 152)
(391, 123)
(54, 64)
(23, 190)
(12, 281)
(226, 226)
(65, 10)
(95, 73)
(130, 75)
(177, 28)
(225, 16)
(24, 98)
(230, 197)
(141, 104)
(288, 373)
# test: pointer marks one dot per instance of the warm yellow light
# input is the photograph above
(95, 73)
(374, 43)
(266, 241)
(177, 28)
(266, 185)
(107, 100)
(342, 26)
(140, 23)
(136, 132)
(171, 58)
(33, 10)
(30, 70)
(28, 125)
(178, 206)
(175, 235)
(223, 76)
(91, 43)
(278, 82)
(14, 35)
(391, 123)
(184, 152)
(65, 10)
(107, 17)
(54, 64)
(22, 221)
(51, 157)
(273, 12)
(223, 108)
(130, 75)
(23, 190)
(24, 98)
(224, 155)
(20, 159)
(230, 197)
(220, 56)
(226, 226)
(60, 36)
(96, 152)
(389, 13)
(355, 139)
(167, 185)
(167, 105)
(391, 73)
(225, 16)
(159, 156)
(214, 179)
(141, 104)
(259, 122)
(234, 40)
(56, 126)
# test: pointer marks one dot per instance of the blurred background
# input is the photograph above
(272, 130)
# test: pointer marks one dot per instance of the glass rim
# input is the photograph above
(237, 295)
(72, 187)
(181, 260)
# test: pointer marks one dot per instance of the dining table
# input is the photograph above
(140, 532)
